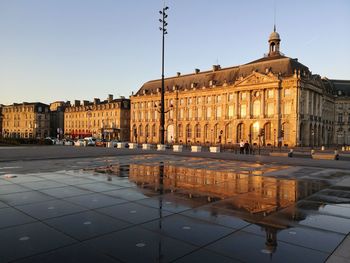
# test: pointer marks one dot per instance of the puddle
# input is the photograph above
(267, 196)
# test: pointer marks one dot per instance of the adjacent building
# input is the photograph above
(26, 120)
(1, 106)
(108, 119)
(57, 118)
(270, 101)
(342, 111)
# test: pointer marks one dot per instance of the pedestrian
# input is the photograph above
(241, 147)
(246, 147)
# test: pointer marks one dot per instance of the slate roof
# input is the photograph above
(278, 64)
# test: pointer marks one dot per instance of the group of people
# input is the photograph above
(244, 147)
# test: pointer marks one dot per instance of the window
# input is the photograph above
(243, 95)
(188, 131)
(256, 108)
(340, 117)
(218, 99)
(198, 131)
(199, 113)
(287, 92)
(230, 97)
(199, 100)
(270, 109)
(270, 93)
(181, 114)
(208, 113)
(287, 107)
(255, 130)
(206, 132)
(231, 111)
(243, 111)
(209, 99)
(180, 130)
(218, 112)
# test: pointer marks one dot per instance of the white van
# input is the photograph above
(90, 141)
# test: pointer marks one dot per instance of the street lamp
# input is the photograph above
(162, 113)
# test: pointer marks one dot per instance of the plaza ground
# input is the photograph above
(111, 205)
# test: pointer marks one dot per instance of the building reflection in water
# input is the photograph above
(250, 194)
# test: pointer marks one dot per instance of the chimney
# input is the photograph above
(76, 103)
(216, 67)
(85, 102)
(96, 101)
(178, 74)
(197, 70)
(110, 98)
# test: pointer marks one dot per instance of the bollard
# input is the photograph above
(322, 148)
(290, 154)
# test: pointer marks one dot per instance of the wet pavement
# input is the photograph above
(164, 208)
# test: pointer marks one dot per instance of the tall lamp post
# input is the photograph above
(162, 113)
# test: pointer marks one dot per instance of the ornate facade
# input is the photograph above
(26, 120)
(109, 119)
(270, 101)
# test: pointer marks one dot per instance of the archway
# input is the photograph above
(170, 133)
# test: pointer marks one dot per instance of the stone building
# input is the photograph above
(1, 106)
(270, 101)
(57, 118)
(342, 111)
(26, 120)
(109, 119)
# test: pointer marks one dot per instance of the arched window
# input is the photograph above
(180, 130)
(154, 134)
(140, 130)
(255, 130)
(206, 132)
(267, 130)
(240, 132)
(286, 131)
(146, 131)
(188, 132)
(198, 131)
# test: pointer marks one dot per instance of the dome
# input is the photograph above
(274, 36)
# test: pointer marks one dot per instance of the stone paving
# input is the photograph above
(172, 208)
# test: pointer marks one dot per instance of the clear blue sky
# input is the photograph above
(80, 49)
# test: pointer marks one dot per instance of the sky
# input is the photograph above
(53, 50)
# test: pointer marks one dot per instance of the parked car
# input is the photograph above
(79, 142)
(67, 142)
(51, 140)
(101, 142)
(90, 141)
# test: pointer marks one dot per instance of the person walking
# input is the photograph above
(246, 147)
(241, 147)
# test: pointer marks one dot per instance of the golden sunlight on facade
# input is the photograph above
(108, 119)
(26, 120)
(275, 99)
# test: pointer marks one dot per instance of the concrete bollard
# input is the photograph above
(214, 149)
(146, 146)
(177, 148)
(196, 149)
(160, 147)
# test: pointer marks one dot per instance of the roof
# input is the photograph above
(278, 64)
(341, 85)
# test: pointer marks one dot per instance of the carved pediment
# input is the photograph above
(257, 78)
